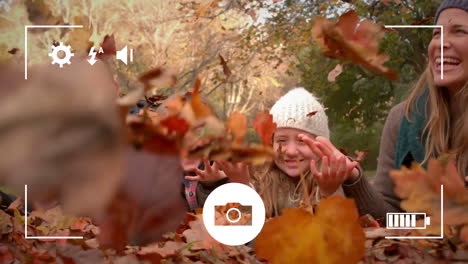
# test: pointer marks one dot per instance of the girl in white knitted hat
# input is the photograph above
(302, 129)
(302, 126)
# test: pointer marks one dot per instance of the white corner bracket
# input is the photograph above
(441, 41)
(26, 222)
(26, 41)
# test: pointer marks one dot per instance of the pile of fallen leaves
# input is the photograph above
(333, 234)
(190, 243)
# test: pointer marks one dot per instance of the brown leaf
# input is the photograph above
(351, 40)
(201, 239)
(312, 113)
(330, 236)
(237, 124)
(170, 248)
(423, 21)
(13, 51)
(226, 69)
(265, 127)
(108, 46)
(80, 256)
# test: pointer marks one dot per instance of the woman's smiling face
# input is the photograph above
(455, 45)
(295, 155)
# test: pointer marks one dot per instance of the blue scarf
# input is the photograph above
(410, 137)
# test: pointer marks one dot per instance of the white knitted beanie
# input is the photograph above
(293, 108)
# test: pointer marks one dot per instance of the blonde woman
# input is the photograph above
(431, 121)
(279, 183)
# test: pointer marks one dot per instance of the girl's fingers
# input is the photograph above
(325, 167)
(193, 178)
(352, 165)
(207, 165)
(314, 171)
(215, 166)
(310, 143)
(342, 169)
(333, 167)
(326, 142)
(324, 149)
(200, 173)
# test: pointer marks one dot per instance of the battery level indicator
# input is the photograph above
(407, 221)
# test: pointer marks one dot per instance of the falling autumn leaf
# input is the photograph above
(423, 21)
(237, 124)
(265, 127)
(330, 236)
(199, 108)
(13, 51)
(352, 40)
(226, 69)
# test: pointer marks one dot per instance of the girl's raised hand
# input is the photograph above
(332, 173)
(236, 171)
(336, 167)
(210, 173)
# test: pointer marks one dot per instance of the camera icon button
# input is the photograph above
(234, 214)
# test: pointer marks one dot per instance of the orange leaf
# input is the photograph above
(237, 123)
(265, 127)
(351, 40)
(199, 108)
(330, 236)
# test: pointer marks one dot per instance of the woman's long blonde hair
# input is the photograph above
(443, 133)
(279, 191)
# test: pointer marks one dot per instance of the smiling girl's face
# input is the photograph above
(455, 59)
(296, 155)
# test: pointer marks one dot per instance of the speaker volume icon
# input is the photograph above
(122, 55)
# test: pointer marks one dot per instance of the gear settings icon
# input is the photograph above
(61, 60)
